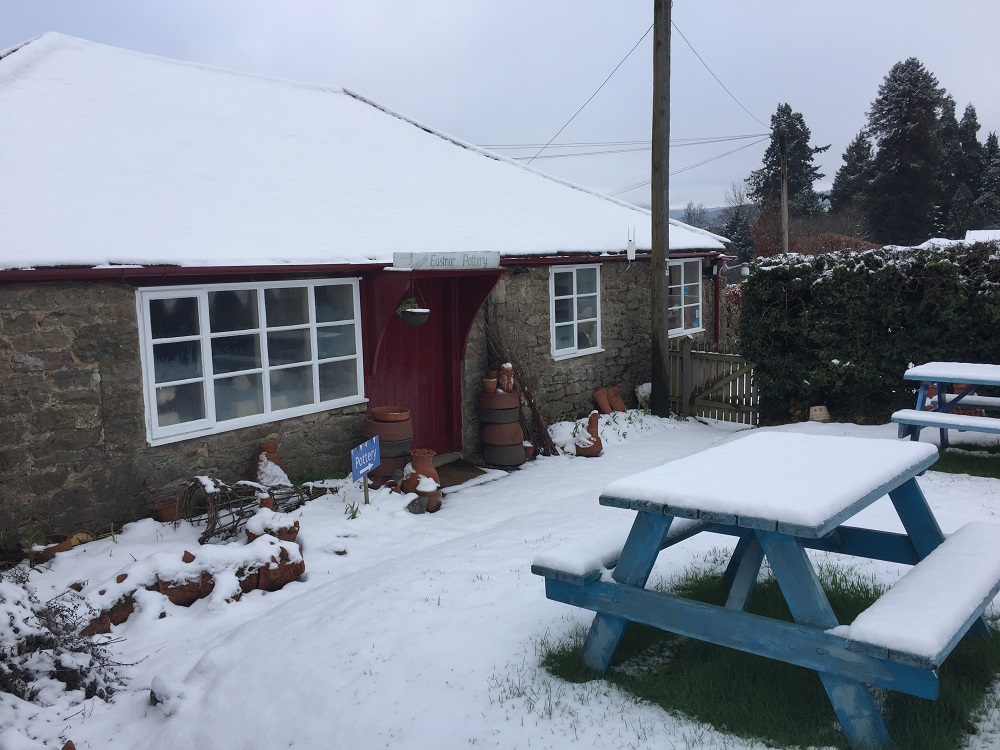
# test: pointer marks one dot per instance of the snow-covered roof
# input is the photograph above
(982, 235)
(109, 156)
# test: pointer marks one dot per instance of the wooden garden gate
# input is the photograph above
(706, 382)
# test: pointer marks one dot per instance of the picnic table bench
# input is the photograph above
(781, 494)
(938, 412)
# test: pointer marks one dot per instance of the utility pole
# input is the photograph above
(660, 202)
(782, 142)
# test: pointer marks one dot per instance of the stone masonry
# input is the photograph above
(564, 389)
(73, 449)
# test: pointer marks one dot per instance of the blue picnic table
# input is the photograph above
(781, 494)
(938, 411)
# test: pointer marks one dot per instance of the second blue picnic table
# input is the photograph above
(938, 411)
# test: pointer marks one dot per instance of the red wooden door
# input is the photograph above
(416, 367)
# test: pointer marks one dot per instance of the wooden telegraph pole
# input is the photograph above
(660, 201)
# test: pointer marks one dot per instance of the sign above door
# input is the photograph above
(471, 261)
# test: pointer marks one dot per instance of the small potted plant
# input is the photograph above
(411, 312)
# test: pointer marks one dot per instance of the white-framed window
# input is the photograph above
(222, 356)
(575, 310)
(684, 297)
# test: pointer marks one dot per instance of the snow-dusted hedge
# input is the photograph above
(840, 328)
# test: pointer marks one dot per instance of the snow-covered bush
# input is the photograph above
(42, 653)
(840, 329)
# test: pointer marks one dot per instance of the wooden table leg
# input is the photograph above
(634, 566)
(851, 700)
(745, 565)
(923, 530)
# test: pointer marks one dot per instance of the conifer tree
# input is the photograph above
(904, 194)
(988, 203)
(765, 183)
(851, 182)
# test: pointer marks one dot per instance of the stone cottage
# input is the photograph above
(193, 261)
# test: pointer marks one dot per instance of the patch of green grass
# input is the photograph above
(786, 706)
(977, 460)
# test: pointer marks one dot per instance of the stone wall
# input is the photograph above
(564, 388)
(73, 449)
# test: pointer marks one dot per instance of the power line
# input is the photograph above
(713, 74)
(674, 142)
(636, 186)
(633, 149)
(596, 92)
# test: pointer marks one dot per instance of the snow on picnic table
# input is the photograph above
(410, 631)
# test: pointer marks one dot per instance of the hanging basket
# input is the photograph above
(415, 316)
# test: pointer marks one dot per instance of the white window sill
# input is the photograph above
(574, 355)
(681, 333)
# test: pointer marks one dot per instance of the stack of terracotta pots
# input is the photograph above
(395, 431)
(500, 413)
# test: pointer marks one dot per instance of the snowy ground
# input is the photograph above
(424, 634)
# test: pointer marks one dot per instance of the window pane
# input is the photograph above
(232, 353)
(586, 307)
(564, 337)
(563, 283)
(291, 387)
(240, 396)
(674, 297)
(586, 335)
(232, 310)
(674, 274)
(674, 319)
(335, 341)
(564, 310)
(334, 302)
(586, 281)
(338, 380)
(692, 293)
(286, 306)
(286, 347)
(177, 361)
(173, 317)
(179, 403)
(692, 317)
(692, 271)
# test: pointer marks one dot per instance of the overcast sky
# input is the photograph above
(513, 72)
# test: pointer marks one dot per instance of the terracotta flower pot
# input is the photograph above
(505, 381)
(601, 398)
(166, 512)
(489, 385)
(615, 398)
(390, 413)
(529, 451)
(422, 460)
(433, 501)
(503, 434)
(493, 374)
(271, 451)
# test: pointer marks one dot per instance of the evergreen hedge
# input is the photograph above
(840, 328)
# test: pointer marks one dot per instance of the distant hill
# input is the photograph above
(711, 214)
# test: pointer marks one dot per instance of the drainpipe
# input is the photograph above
(720, 264)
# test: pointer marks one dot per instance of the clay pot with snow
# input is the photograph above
(505, 382)
(591, 443)
(280, 571)
(422, 460)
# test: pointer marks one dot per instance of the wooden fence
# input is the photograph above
(705, 382)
